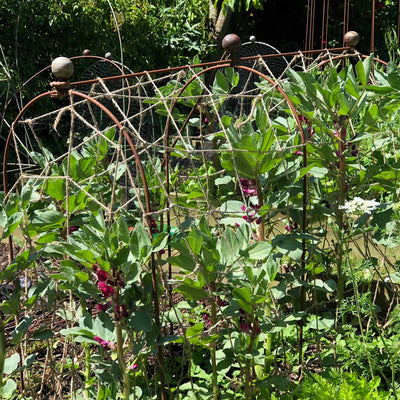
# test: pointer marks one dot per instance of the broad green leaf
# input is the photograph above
(49, 219)
(242, 296)
(103, 326)
(11, 363)
(141, 321)
(8, 389)
(21, 330)
(393, 75)
(160, 241)
(13, 221)
(184, 261)
(55, 188)
(195, 239)
(258, 251)
(191, 292)
(322, 323)
(232, 76)
(222, 84)
(123, 230)
(288, 245)
(194, 330)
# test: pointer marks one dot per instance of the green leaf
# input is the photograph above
(13, 221)
(288, 245)
(11, 363)
(8, 389)
(141, 321)
(21, 330)
(232, 76)
(48, 219)
(195, 239)
(322, 323)
(191, 292)
(140, 240)
(29, 360)
(221, 84)
(103, 326)
(184, 261)
(160, 241)
(242, 297)
(55, 188)
(123, 230)
(393, 75)
(258, 251)
(194, 330)
(26, 194)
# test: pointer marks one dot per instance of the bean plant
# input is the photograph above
(255, 275)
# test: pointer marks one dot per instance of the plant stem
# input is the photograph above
(339, 212)
(213, 348)
(2, 350)
(121, 361)
(87, 357)
(261, 236)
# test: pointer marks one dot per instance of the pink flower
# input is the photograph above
(103, 307)
(102, 275)
(105, 344)
(107, 290)
(133, 366)
(249, 186)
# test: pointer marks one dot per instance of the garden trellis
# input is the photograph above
(211, 203)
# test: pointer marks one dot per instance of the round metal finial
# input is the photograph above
(62, 68)
(86, 52)
(231, 42)
(108, 55)
(252, 39)
(351, 39)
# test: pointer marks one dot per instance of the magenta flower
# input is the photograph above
(105, 344)
(103, 307)
(133, 366)
(249, 186)
(102, 275)
(107, 290)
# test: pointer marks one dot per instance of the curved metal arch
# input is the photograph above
(115, 64)
(144, 182)
(293, 110)
(346, 56)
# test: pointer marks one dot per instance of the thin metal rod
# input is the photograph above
(372, 50)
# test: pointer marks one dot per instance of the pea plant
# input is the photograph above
(248, 256)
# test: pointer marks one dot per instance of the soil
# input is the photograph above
(4, 255)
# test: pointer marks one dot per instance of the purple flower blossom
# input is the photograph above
(105, 344)
(107, 290)
(249, 186)
(72, 229)
(102, 275)
(103, 307)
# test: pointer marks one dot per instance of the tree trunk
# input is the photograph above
(219, 22)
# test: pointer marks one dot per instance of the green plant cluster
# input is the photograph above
(256, 289)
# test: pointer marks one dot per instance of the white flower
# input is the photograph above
(359, 206)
